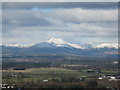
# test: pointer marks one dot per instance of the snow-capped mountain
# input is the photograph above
(107, 45)
(15, 45)
(56, 46)
(56, 42)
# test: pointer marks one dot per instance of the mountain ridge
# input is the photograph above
(56, 42)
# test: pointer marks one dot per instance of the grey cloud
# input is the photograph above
(86, 30)
(61, 1)
(15, 19)
(88, 5)
(59, 17)
(88, 25)
(84, 15)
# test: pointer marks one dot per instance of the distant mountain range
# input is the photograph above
(53, 42)
(56, 42)
(55, 46)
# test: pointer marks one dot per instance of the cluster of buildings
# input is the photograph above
(7, 86)
(110, 77)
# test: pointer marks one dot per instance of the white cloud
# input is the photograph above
(86, 15)
(87, 25)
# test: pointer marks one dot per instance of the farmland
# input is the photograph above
(53, 75)
(54, 71)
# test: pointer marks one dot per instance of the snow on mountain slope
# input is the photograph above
(15, 45)
(57, 42)
(43, 45)
(113, 45)
(60, 43)
(76, 46)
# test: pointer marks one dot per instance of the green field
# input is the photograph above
(49, 73)
(56, 76)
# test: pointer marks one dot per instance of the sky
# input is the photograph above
(60, 0)
(29, 23)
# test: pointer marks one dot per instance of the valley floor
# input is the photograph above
(59, 77)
